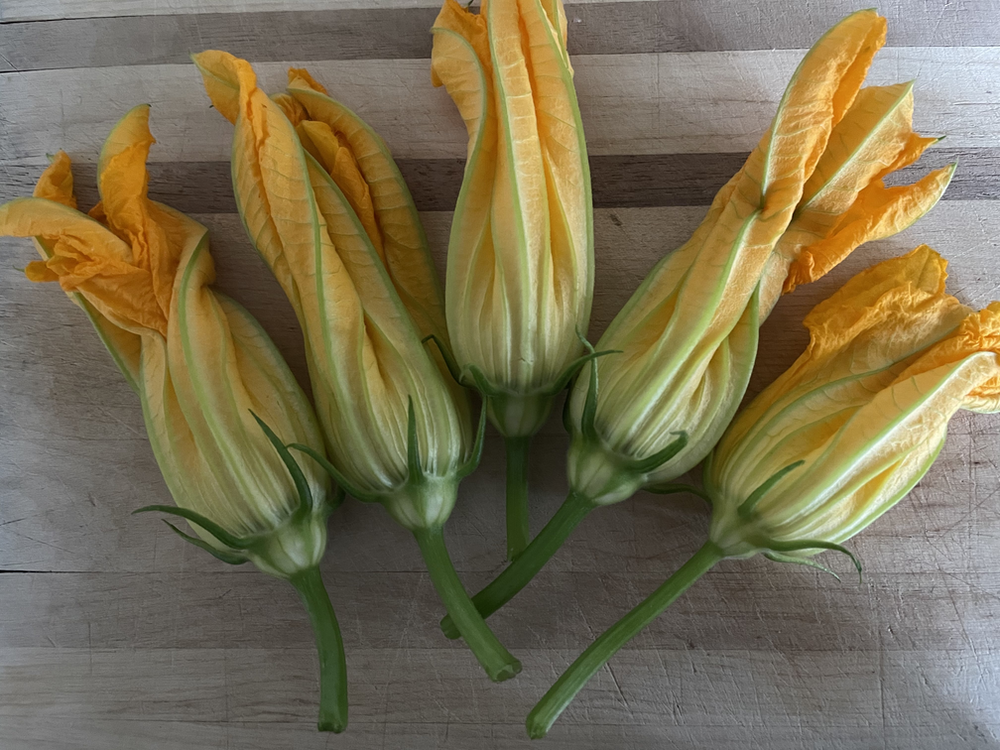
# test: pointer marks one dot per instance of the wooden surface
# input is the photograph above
(114, 634)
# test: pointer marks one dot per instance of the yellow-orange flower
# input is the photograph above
(326, 209)
(861, 415)
(217, 398)
(142, 271)
(520, 258)
(366, 357)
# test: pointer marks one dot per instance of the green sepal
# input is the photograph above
(673, 487)
(449, 358)
(298, 478)
(778, 557)
(577, 364)
(339, 495)
(482, 384)
(477, 447)
(211, 527)
(649, 463)
(588, 420)
(330, 469)
(813, 544)
(231, 558)
(747, 506)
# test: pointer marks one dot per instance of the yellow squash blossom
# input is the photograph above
(686, 341)
(835, 441)
(215, 392)
(352, 261)
(520, 259)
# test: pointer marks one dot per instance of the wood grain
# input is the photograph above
(116, 635)
(703, 102)
(400, 32)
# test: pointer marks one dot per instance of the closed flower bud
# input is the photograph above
(808, 195)
(349, 253)
(520, 259)
(838, 439)
(215, 392)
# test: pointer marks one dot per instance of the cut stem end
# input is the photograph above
(330, 646)
(495, 659)
(561, 694)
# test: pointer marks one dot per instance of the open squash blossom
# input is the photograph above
(835, 441)
(215, 392)
(810, 193)
(520, 259)
(398, 430)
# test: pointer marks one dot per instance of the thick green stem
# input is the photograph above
(519, 573)
(554, 702)
(518, 532)
(332, 664)
(496, 660)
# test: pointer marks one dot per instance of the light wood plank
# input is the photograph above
(110, 734)
(706, 102)
(690, 699)
(735, 606)
(942, 699)
(741, 604)
(694, 689)
(402, 32)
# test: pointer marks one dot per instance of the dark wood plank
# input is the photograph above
(639, 181)
(376, 33)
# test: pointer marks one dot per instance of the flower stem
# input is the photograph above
(554, 702)
(518, 532)
(519, 573)
(495, 659)
(332, 664)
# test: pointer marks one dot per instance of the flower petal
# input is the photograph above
(56, 182)
(360, 163)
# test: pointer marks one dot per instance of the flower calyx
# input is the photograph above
(292, 547)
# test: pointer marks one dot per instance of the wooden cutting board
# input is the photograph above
(115, 634)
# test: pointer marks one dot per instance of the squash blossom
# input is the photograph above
(328, 211)
(215, 392)
(520, 258)
(835, 441)
(808, 195)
